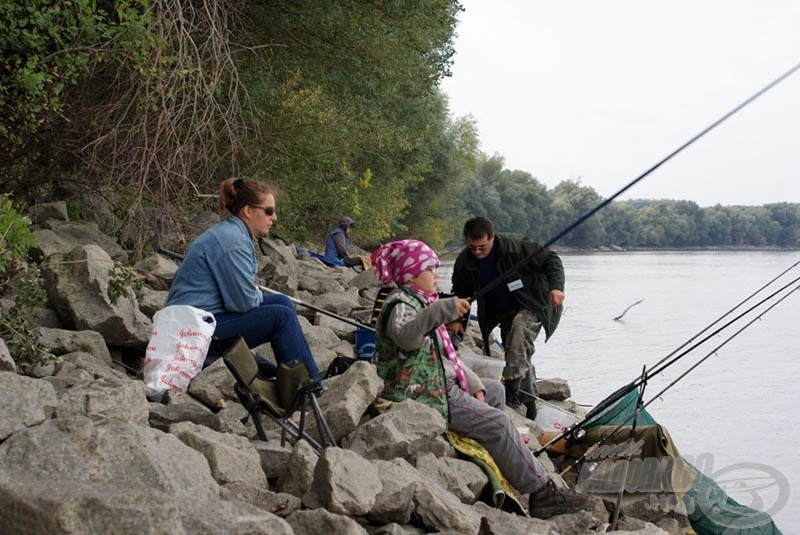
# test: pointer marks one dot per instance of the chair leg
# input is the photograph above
(262, 433)
(249, 402)
(325, 432)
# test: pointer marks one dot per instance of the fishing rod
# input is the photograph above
(572, 226)
(357, 323)
(714, 351)
(345, 319)
(624, 390)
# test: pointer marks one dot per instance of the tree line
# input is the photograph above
(516, 201)
(133, 111)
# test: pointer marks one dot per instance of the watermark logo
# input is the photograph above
(740, 496)
(762, 489)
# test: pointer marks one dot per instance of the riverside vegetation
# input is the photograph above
(83, 451)
(132, 111)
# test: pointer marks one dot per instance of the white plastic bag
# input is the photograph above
(177, 348)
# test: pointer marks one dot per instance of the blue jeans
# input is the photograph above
(274, 321)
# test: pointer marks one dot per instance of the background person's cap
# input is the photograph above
(346, 221)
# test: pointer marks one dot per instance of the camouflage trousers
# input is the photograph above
(518, 334)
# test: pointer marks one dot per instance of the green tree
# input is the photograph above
(787, 218)
(571, 200)
(619, 225)
(337, 104)
(433, 207)
(348, 109)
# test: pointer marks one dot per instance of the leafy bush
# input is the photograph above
(15, 240)
(15, 327)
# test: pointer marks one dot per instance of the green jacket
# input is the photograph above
(541, 272)
(417, 374)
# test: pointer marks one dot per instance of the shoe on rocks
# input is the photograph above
(551, 500)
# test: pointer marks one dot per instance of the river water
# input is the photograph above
(738, 410)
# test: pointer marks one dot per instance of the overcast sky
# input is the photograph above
(601, 91)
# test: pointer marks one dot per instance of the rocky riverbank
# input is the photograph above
(83, 451)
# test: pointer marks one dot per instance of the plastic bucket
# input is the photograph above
(485, 367)
(551, 418)
(365, 344)
(553, 421)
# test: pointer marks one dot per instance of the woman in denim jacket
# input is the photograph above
(218, 274)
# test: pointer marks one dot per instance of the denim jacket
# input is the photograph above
(331, 249)
(219, 271)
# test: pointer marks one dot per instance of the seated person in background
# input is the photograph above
(337, 242)
(218, 275)
(415, 358)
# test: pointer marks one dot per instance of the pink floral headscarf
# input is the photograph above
(400, 261)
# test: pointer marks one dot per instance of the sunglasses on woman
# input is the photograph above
(269, 210)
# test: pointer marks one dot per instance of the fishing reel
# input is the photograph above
(576, 436)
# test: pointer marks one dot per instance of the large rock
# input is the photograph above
(278, 503)
(213, 385)
(344, 482)
(497, 521)
(62, 341)
(162, 416)
(298, 474)
(26, 402)
(347, 398)
(106, 400)
(31, 503)
(231, 517)
(7, 363)
(463, 478)
(77, 284)
(232, 458)
(320, 282)
(277, 265)
(407, 429)
(88, 365)
(399, 483)
(119, 453)
(40, 213)
(321, 521)
(63, 236)
(158, 265)
(340, 303)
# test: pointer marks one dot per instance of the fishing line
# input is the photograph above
(624, 390)
(725, 342)
(489, 287)
(723, 316)
(675, 359)
(643, 379)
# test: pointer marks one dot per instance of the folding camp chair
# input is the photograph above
(279, 398)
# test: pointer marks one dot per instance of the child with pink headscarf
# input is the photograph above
(416, 360)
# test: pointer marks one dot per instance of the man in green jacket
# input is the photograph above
(529, 298)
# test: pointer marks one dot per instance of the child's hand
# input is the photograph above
(480, 395)
(462, 305)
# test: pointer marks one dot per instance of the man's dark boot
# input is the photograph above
(528, 394)
(550, 500)
(512, 397)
